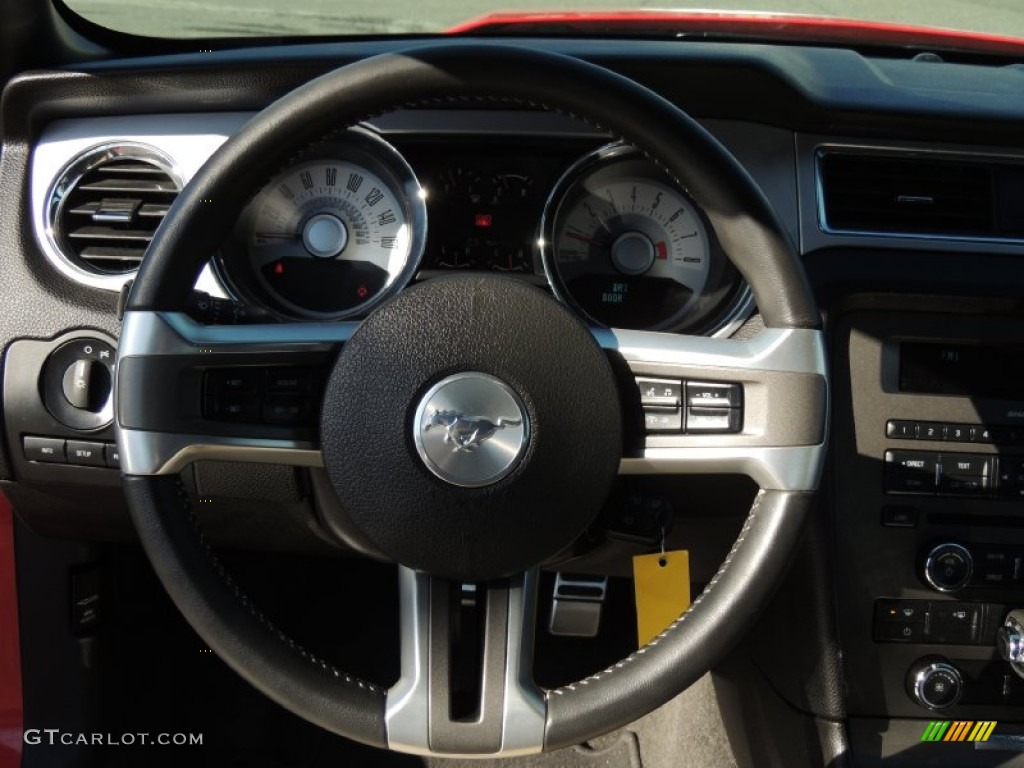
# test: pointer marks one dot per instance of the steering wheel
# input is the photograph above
(563, 453)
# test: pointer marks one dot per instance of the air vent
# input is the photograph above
(920, 196)
(106, 206)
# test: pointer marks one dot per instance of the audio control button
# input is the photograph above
(935, 683)
(948, 567)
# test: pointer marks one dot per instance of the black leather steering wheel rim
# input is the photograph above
(749, 232)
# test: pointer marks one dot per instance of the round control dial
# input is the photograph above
(935, 683)
(78, 384)
(948, 567)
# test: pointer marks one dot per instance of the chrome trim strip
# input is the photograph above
(164, 453)
(148, 333)
(185, 141)
(789, 350)
(779, 468)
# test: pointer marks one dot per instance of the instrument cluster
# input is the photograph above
(357, 217)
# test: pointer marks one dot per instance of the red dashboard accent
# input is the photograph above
(756, 26)
(11, 707)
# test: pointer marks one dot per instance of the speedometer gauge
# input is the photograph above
(625, 245)
(337, 231)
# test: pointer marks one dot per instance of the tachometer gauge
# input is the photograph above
(338, 231)
(623, 244)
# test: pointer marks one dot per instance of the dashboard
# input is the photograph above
(361, 214)
(847, 147)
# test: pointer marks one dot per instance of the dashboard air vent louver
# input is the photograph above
(106, 206)
(908, 195)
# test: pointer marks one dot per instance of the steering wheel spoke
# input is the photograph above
(505, 712)
(778, 377)
(186, 391)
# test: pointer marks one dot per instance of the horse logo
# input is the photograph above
(466, 433)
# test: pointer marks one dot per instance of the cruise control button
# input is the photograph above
(297, 380)
(713, 419)
(713, 394)
(48, 449)
(85, 453)
(659, 391)
(285, 409)
(663, 419)
(238, 407)
(233, 380)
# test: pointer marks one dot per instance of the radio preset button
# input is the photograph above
(901, 430)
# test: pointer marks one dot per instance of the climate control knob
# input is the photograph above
(935, 683)
(948, 567)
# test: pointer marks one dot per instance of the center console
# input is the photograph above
(928, 451)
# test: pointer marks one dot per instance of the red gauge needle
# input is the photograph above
(583, 238)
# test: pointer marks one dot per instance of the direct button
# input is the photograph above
(48, 449)
(86, 454)
(921, 462)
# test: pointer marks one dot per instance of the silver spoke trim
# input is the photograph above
(165, 453)
(408, 712)
(148, 334)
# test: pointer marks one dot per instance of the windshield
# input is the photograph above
(273, 18)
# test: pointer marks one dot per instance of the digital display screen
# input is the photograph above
(962, 369)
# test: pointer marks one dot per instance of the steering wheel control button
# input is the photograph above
(659, 420)
(45, 449)
(77, 384)
(660, 391)
(713, 395)
(276, 395)
(471, 429)
(87, 454)
(935, 683)
(700, 419)
(948, 567)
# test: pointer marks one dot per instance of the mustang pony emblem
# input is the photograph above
(467, 433)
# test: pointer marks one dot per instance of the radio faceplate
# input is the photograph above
(915, 471)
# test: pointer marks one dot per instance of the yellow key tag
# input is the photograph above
(662, 584)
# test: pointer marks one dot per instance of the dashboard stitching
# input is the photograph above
(259, 615)
(678, 622)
